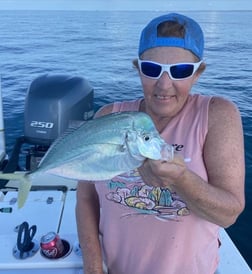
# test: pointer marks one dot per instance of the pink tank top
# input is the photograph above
(149, 230)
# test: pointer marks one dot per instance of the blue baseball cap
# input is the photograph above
(193, 39)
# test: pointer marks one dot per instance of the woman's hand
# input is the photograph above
(163, 173)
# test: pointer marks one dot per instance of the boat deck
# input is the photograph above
(54, 210)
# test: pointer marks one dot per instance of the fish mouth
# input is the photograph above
(167, 152)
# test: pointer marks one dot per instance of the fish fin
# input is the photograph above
(11, 176)
(23, 190)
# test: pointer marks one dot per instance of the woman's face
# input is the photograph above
(165, 97)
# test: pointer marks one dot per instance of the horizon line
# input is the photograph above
(137, 10)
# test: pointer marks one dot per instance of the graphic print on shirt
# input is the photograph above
(131, 192)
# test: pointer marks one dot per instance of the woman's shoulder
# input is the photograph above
(221, 110)
(107, 109)
(218, 101)
(214, 102)
(132, 105)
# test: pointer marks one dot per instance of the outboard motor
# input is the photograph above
(52, 103)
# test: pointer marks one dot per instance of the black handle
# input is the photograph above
(25, 236)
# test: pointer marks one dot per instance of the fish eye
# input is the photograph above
(146, 138)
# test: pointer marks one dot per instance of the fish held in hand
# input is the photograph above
(99, 149)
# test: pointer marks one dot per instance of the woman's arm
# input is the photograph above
(87, 217)
(224, 159)
(220, 200)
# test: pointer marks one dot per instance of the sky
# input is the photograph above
(126, 4)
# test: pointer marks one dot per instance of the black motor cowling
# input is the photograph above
(52, 102)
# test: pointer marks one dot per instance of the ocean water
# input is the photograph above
(100, 45)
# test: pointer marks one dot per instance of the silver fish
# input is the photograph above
(99, 149)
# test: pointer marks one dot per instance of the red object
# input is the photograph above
(51, 245)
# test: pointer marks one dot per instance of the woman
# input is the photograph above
(165, 217)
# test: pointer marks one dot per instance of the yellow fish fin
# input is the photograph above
(24, 187)
(23, 190)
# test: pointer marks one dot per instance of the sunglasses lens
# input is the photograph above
(181, 71)
(150, 69)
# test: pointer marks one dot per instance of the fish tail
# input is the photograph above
(23, 190)
(24, 187)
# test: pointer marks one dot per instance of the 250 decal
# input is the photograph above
(39, 124)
